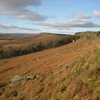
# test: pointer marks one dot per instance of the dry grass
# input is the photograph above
(64, 73)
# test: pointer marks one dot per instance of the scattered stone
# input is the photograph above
(16, 78)
(30, 77)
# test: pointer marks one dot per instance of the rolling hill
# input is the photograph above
(17, 45)
(7, 40)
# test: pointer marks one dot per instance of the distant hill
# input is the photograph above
(16, 45)
(20, 39)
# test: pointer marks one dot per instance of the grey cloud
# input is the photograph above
(25, 15)
(11, 27)
(18, 3)
(72, 24)
(16, 9)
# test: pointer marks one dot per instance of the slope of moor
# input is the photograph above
(69, 72)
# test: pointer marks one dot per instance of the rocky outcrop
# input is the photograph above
(16, 79)
(87, 35)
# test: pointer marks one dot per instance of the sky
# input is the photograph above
(54, 16)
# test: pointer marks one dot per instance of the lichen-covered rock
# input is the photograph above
(87, 35)
(16, 78)
(30, 77)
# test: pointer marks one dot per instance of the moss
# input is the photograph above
(21, 91)
(78, 72)
(61, 66)
(80, 82)
(91, 73)
(59, 96)
(97, 57)
(98, 77)
(92, 85)
(86, 65)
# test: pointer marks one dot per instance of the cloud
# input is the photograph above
(16, 28)
(17, 9)
(18, 3)
(82, 16)
(71, 24)
(96, 14)
(25, 15)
